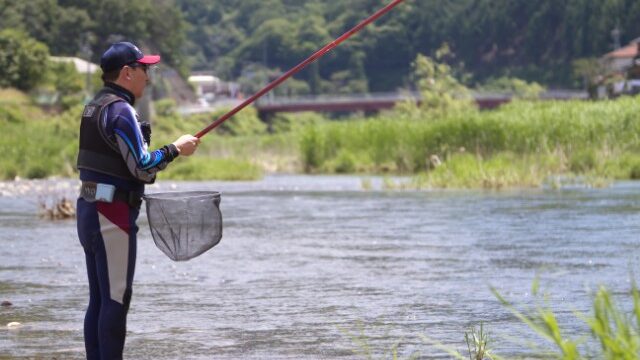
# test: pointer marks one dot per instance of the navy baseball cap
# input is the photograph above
(124, 53)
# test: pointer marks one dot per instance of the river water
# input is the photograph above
(318, 268)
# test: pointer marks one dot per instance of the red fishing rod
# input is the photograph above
(320, 53)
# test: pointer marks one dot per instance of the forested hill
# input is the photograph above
(534, 40)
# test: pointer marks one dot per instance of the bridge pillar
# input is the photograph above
(267, 118)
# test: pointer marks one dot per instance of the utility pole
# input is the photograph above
(615, 35)
(86, 51)
(265, 64)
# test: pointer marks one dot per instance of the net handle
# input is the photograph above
(299, 67)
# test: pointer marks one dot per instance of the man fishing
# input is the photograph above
(115, 164)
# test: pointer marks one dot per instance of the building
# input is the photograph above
(621, 59)
(210, 89)
(82, 66)
(622, 71)
(205, 86)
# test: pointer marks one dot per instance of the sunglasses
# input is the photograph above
(144, 67)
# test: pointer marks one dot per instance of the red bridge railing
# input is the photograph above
(366, 102)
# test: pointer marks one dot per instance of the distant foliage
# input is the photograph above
(75, 27)
(286, 122)
(516, 88)
(204, 168)
(64, 80)
(39, 146)
(441, 92)
(246, 122)
(540, 138)
(23, 60)
(531, 40)
(166, 107)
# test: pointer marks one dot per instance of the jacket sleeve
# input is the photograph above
(142, 164)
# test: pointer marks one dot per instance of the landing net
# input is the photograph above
(184, 224)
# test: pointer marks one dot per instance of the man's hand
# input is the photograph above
(187, 144)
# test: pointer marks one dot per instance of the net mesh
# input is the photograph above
(184, 224)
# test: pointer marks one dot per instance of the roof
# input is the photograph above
(626, 52)
(82, 66)
(203, 79)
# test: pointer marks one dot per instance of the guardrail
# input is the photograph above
(372, 101)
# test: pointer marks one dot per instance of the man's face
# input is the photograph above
(136, 77)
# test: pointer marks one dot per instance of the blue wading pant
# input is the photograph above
(107, 232)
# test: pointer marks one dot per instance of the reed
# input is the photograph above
(37, 148)
(384, 348)
(614, 331)
(37, 145)
(477, 340)
(204, 168)
(520, 144)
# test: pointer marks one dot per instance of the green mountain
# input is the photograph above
(254, 40)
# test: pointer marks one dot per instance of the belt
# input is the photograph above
(89, 190)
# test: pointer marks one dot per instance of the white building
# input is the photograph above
(210, 89)
(82, 66)
(204, 84)
(619, 71)
(620, 60)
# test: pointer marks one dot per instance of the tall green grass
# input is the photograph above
(613, 333)
(521, 140)
(524, 143)
(477, 340)
(35, 144)
(204, 168)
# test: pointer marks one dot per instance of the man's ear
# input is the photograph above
(127, 72)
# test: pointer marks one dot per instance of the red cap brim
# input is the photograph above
(149, 59)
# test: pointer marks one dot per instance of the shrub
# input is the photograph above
(583, 161)
(616, 333)
(23, 63)
(166, 107)
(201, 168)
(246, 122)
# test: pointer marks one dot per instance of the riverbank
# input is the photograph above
(523, 144)
(519, 145)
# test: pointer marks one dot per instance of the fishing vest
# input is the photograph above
(98, 151)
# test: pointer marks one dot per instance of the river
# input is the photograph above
(311, 266)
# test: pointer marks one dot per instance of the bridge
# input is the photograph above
(368, 103)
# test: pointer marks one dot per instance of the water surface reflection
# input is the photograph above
(305, 258)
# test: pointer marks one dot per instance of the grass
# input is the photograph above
(204, 168)
(615, 333)
(507, 170)
(37, 148)
(612, 333)
(522, 144)
(366, 350)
(477, 340)
(39, 145)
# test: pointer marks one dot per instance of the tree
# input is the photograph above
(23, 60)
(516, 88)
(441, 91)
(66, 26)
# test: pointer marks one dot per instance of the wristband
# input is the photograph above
(172, 151)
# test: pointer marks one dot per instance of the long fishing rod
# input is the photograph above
(299, 67)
